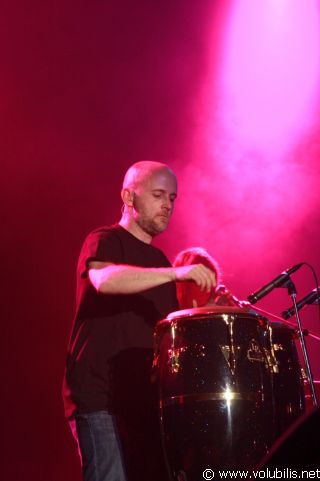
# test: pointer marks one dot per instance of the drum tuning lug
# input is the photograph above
(254, 352)
(271, 362)
(174, 358)
(304, 375)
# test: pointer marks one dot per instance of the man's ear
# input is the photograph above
(127, 197)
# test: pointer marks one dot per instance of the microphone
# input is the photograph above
(311, 298)
(277, 282)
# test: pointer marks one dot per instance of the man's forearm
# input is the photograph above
(124, 279)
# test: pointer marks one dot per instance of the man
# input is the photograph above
(124, 286)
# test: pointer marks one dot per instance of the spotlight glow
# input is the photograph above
(258, 105)
(271, 71)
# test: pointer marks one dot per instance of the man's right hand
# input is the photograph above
(198, 273)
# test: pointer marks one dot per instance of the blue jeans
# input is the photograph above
(99, 447)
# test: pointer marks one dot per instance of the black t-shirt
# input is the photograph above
(110, 351)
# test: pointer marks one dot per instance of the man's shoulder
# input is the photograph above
(104, 231)
(116, 235)
(102, 244)
(99, 237)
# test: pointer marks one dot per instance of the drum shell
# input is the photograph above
(288, 381)
(200, 361)
(194, 355)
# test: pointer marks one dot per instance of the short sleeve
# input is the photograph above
(101, 246)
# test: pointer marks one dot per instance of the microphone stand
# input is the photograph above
(293, 294)
(288, 323)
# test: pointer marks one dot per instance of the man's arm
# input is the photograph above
(110, 278)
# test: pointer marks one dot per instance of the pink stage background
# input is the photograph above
(226, 92)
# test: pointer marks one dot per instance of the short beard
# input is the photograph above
(150, 227)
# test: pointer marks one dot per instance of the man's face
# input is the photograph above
(153, 202)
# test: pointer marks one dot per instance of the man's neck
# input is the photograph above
(135, 230)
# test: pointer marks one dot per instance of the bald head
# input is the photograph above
(148, 193)
(140, 172)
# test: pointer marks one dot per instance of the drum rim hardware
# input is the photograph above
(227, 396)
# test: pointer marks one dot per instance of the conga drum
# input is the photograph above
(215, 371)
(289, 396)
